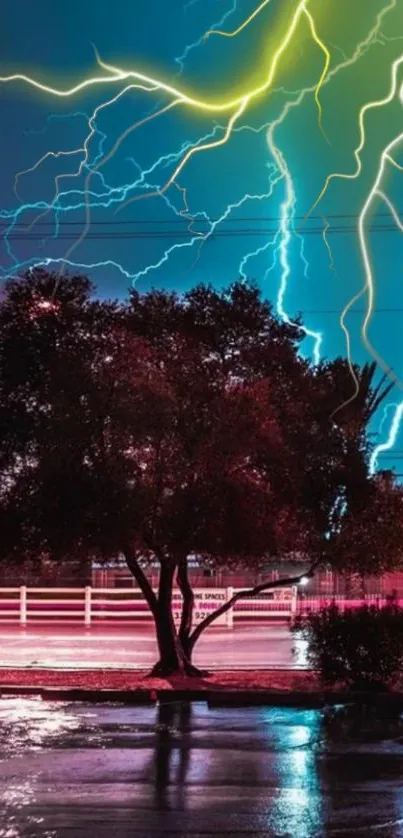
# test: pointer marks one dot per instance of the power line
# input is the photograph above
(187, 234)
(185, 219)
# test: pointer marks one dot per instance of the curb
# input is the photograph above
(213, 698)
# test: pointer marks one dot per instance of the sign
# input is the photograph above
(206, 601)
(283, 594)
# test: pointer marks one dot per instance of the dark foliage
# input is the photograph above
(361, 648)
(172, 426)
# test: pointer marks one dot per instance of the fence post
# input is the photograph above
(23, 605)
(87, 616)
(230, 612)
(294, 595)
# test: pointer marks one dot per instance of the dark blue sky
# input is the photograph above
(154, 241)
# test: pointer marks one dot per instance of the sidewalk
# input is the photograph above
(257, 688)
(97, 679)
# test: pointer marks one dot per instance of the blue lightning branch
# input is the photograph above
(181, 59)
(392, 436)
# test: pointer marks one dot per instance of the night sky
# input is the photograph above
(272, 166)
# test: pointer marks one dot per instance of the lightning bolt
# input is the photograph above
(150, 84)
(286, 229)
(116, 74)
(238, 104)
(288, 206)
(235, 107)
(369, 106)
(200, 238)
(243, 25)
(322, 46)
(369, 283)
(181, 59)
(392, 437)
(369, 287)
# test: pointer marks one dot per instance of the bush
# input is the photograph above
(361, 648)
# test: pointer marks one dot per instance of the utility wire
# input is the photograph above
(185, 218)
(188, 234)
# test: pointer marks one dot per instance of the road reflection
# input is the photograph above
(72, 770)
(28, 724)
(172, 754)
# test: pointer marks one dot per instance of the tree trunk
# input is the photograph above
(172, 656)
(185, 627)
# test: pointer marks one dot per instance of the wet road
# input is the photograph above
(134, 646)
(77, 771)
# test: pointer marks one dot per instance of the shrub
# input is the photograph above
(361, 648)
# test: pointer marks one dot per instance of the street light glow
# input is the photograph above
(303, 581)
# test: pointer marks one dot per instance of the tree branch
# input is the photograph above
(258, 589)
(141, 580)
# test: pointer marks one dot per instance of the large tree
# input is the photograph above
(175, 426)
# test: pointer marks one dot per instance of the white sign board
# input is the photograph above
(206, 601)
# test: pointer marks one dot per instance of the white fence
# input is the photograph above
(92, 606)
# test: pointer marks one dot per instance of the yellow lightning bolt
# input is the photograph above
(246, 100)
(359, 51)
(118, 74)
(325, 70)
(242, 26)
(239, 104)
(315, 37)
(378, 103)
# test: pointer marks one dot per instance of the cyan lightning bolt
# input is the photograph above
(286, 229)
(390, 442)
(200, 238)
(56, 117)
(181, 59)
(275, 177)
(288, 206)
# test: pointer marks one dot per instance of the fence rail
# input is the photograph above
(93, 606)
(96, 605)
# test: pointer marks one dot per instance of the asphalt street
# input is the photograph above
(134, 647)
(186, 771)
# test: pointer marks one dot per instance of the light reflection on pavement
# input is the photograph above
(82, 770)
